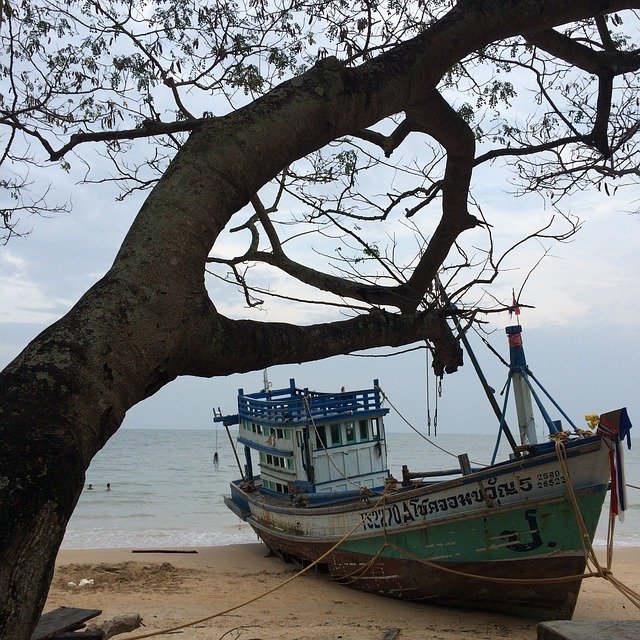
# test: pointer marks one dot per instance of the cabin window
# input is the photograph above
(272, 432)
(321, 437)
(282, 488)
(374, 428)
(364, 430)
(287, 434)
(280, 433)
(350, 432)
(259, 429)
(253, 427)
(335, 434)
(278, 461)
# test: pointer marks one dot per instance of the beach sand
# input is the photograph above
(168, 590)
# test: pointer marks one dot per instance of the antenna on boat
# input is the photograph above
(266, 385)
(216, 459)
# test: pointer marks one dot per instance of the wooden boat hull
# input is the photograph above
(410, 580)
(439, 543)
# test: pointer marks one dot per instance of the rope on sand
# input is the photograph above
(278, 586)
(599, 571)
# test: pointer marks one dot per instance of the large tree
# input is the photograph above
(357, 81)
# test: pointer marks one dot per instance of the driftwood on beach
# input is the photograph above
(119, 624)
(163, 551)
(62, 619)
(67, 623)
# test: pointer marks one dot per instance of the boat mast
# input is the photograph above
(488, 389)
(521, 386)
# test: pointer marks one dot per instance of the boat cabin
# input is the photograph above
(312, 443)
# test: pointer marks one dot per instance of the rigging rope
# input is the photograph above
(600, 571)
(488, 345)
(431, 442)
(428, 394)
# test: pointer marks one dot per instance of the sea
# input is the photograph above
(166, 491)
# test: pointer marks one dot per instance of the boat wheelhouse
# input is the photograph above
(310, 444)
(511, 536)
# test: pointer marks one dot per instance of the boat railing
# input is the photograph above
(464, 469)
(303, 405)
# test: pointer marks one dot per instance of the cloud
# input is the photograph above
(22, 299)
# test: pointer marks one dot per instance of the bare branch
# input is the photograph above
(387, 143)
(148, 129)
(596, 62)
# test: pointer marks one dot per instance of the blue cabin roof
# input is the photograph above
(293, 406)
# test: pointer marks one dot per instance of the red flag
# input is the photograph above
(515, 308)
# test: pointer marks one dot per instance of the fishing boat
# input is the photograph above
(510, 537)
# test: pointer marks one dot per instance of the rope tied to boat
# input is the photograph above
(302, 571)
(600, 571)
(605, 572)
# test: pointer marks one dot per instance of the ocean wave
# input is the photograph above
(155, 538)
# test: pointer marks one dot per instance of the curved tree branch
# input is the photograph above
(596, 62)
(387, 143)
(281, 343)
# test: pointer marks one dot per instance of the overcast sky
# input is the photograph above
(581, 338)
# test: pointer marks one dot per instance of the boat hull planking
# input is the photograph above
(438, 543)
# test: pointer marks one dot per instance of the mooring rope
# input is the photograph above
(269, 591)
(606, 573)
(603, 572)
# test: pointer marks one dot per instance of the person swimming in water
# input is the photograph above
(215, 460)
